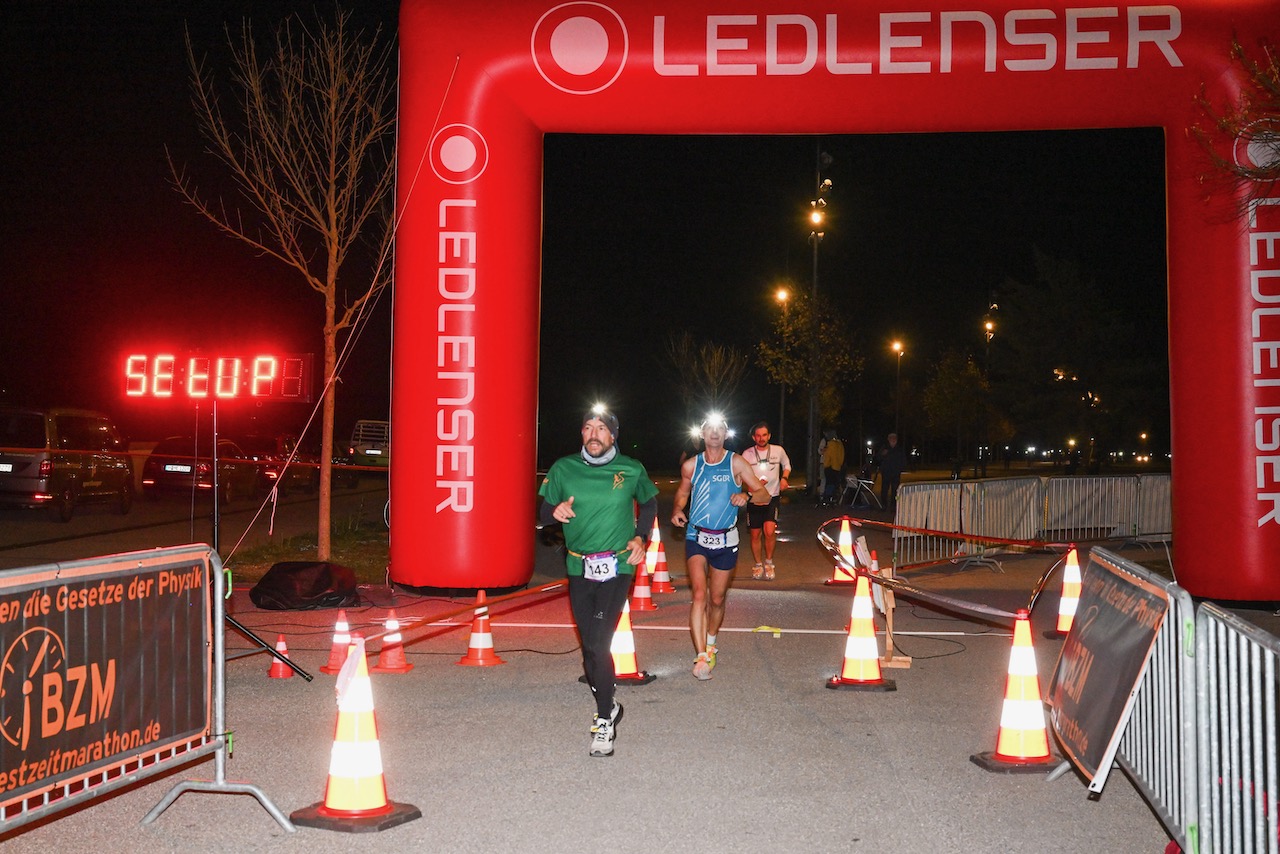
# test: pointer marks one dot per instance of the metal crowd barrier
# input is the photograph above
(1155, 508)
(1090, 508)
(933, 507)
(1158, 748)
(1005, 508)
(1057, 509)
(1236, 701)
(172, 677)
(1200, 743)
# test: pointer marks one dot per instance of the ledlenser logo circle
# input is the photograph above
(580, 48)
(459, 154)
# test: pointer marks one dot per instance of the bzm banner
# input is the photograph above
(1102, 663)
(102, 661)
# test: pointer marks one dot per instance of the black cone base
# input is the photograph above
(989, 761)
(317, 816)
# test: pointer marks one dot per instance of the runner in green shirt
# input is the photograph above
(596, 495)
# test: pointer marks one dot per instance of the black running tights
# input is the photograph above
(597, 606)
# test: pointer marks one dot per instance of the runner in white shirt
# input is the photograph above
(771, 465)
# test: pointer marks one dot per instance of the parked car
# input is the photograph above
(343, 476)
(176, 465)
(371, 443)
(60, 457)
(270, 455)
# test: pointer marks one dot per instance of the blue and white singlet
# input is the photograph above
(713, 486)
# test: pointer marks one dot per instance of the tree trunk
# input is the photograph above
(324, 522)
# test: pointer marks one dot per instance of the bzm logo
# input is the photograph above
(580, 48)
(40, 695)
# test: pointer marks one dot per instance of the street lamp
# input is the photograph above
(817, 220)
(897, 388)
(782, 295)
(989, 330)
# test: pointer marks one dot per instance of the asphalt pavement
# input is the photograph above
(763, 757)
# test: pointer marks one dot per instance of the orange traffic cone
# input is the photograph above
(623, 649)
(641, 595)
(1023, 742)
(1070, 595)
(391, 657)
(355, 797)
(341, 640)
(842, 573)
(861, 669)
(280, 670)
(655, 560)
(480, 648)
(878, 593)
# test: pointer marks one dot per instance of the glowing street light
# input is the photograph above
(989, 330)
(818, 213)
(897, 388)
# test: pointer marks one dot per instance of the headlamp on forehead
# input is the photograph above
(600, 412)
(714, 419)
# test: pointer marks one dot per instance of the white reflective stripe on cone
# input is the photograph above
(1022, 714)
(353, 760)
(862, 649)
(1022, 661)
(358, 697)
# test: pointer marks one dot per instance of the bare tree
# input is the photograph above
(1243, 141)
(703, 374)
(309, 145)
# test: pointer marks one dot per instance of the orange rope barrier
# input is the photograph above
(468, 609)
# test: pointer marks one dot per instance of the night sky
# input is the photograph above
(922, 230)
(101, 254)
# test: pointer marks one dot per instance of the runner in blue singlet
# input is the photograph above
(711, 487)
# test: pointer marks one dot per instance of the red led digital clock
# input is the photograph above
(262, 377)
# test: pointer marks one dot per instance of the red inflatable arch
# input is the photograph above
(482, 82)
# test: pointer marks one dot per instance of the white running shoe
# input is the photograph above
(601, 738)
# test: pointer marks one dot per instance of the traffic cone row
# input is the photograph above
(877, 592)
(391, 657)
(341, 640)
(280, 670)
(641, 595)
(655, 560)
(355, 796)
(480, 648)
(623, 649)
(1070, 592)
(861, 669)
(1022, 744)
(842, 573)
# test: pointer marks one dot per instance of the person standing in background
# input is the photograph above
(832, 466)
(893, 462)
